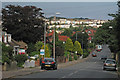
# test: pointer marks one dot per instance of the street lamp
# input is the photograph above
(45, 36)
(57, 13)
(82, 42)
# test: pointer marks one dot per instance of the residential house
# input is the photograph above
(90, 33)
(60, 37)
(17, 45)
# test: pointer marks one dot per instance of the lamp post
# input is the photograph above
(54, 35)
(44, 37)
(82, 42)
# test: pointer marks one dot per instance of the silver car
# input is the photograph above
(110, 64)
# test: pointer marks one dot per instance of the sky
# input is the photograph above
(58, 0)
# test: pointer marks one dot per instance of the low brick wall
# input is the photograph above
(11, 66)
(37, 63)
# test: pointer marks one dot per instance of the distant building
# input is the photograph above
(60, 37)
(90, 33)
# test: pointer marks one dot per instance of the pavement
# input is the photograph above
(26, 71)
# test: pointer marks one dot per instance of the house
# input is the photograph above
(16, 45)
(63, 38)
(60, 37)
(90, 33)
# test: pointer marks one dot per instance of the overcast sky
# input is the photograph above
(59, 0)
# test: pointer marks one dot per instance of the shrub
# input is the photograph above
(75, 56)
(20, 59)
(34, 53)
(89, 50)
(70, 57)
(5, 58)
(66, 53)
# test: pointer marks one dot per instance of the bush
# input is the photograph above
(5, 58)
(20, 59)
(85, 54)
(34, 53)
(75, 56)
(66, 53)
(89, 50)
(70, 57)
(90, 45)
(31, 48)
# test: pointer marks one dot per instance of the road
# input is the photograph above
(91, 68)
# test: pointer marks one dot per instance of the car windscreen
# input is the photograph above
(110, 61)
(48, 60)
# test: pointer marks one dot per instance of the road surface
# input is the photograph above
(91, 68)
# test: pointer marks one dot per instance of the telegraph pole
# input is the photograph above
(44, 37)
(54, 35)
(54, 38)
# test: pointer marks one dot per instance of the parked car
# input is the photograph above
(109, 64)
(103, 57)
(94, 55)
(49, 63)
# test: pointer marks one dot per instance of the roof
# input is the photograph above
(50, 34)
(63, 38)
(21, 44)
(13, 43)
(92, 32)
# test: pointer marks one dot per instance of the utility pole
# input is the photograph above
(54, 38)
(44, 38)
(54, 35)
(76, 35)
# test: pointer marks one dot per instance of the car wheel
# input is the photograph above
(54, 68)
(42, 68)
(104, 68)
(115, 69)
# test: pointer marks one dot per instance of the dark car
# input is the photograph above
(93, 54)
(110, 64)
(49, 63)
(103, 57)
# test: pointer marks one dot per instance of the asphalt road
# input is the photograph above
(91, 68)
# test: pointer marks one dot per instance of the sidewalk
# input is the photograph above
(25, 71)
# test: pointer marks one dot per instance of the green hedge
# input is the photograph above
(20, 58)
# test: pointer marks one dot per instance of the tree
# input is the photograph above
(47, 51)
(7, 53)
(59, 51)
(31, 48)
(117, 28)
(24, 23)
(77, 47)
(67, 32)
(38, 45)
(81, 37)
(69, 45)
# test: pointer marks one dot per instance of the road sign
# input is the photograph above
(42, 52)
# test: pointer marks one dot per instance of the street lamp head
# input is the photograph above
(83, 32)
(110, 27)
(57, 13)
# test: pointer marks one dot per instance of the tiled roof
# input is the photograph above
(63, 38)
(21, 44)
